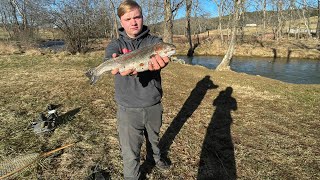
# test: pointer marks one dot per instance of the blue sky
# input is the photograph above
(208, 6)
(205, 6)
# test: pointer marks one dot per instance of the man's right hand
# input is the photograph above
(124, 73)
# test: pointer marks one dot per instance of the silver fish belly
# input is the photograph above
(137, 60)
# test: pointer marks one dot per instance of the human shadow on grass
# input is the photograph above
(188, 108)
(98, 174)
(217, 160)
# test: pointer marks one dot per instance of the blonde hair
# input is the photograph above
(127, 6)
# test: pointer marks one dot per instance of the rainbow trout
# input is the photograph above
(137, 60)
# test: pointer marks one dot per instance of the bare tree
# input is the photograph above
(264, 19)
(152, 11)
(7, 17)
(220, 13)
(16, 18)
(80, 21)
(200, 16)
(168, 24)
(225, 63)
(291, 12)
(278, 30)
(188, 28)
(305, 18)
(21, 9)
(168, 19)
(241, 23)
(318, 24)
(114, 20)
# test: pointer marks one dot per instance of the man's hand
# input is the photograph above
(124, 73)
(157, 62)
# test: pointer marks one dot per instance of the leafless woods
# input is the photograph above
(80, 22)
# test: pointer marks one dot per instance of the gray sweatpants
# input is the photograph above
(133, 125)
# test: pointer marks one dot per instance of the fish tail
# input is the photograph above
(92, 77)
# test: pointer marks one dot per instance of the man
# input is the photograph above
(138, 95)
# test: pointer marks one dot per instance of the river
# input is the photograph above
(296, 71)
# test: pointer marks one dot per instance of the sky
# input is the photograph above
(208, 6)
(205, 6)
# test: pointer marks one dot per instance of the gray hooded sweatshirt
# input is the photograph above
(144, 89)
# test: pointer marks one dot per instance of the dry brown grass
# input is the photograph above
(7, 48)
(3, 34)
(273, 133)
(12, 47)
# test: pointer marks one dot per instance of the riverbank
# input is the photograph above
(302, 49)
(215, 123)
(210, 46)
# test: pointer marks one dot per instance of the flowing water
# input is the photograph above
(297, 71)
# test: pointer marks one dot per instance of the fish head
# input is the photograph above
(165, 49)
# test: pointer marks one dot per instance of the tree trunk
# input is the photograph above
(115, 23)
(291, 19)
(280, 23)
(225, 63)
(188, 28)
(241, 21)
(4, 21)
(264, 16)
(306, 19)
(220, 13)
(168, 24)
(14, 15)
(318, 24)
(22, 12)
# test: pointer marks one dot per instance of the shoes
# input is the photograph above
(162, 165)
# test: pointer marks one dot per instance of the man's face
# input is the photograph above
(132, 22)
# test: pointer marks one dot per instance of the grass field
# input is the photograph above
(216, 124)
(3, 34)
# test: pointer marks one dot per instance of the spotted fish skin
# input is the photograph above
(137, 60)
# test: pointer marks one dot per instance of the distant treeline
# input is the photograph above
(201, 25)
(79, 23)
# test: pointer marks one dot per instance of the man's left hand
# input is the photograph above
(157, 62)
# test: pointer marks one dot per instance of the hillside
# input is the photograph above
(203, 24)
